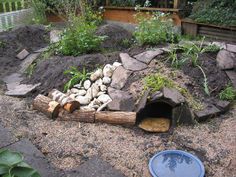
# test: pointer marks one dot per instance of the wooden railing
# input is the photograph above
(11, 5)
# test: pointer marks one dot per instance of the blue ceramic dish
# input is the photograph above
(176, 163)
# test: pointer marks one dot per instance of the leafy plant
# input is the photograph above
(12, 165)
(79, 38)
(229, 93)
(30, 70)
(2, 44)
(39, 11)
(157, 29)
(211, 48)
(205, 82)
(175, 61)
(76, 77)
(211, 11)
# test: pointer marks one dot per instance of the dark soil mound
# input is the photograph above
(217, 79)
(11, 42)
(50, 72)
(117, 37)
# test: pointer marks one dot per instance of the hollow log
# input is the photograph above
(65, 101)
(47, 106)
(119, 118)
(78, 115)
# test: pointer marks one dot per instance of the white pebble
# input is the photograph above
(96, 75)
(83, 100)
(106, 80)
(108, 70)
(103, 88)
(87, 84)
(104, 98)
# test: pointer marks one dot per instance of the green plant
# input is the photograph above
(30, 70)
(215, 12)
(205, 82)
(157, 29)
(229, 93)
(12, 165)
(39, 11)
(211, 48)
(79, 38)
(2, 44)
(175, 61)
(76, 77)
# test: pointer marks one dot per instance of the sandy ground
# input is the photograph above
(68, 144)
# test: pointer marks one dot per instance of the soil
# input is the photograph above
(216, 78)
(68, 144)
(12, 42)
(117, 37)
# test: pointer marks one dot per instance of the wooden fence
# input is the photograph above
(11, 5)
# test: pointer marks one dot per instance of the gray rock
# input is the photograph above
(232, 76)
(143, 100)
(182, 114)
(156, 95)
(120, 77)
(22, 90)
(28, 61)
(226, 60)
(55, 36)
(35, 158)
(95, 167)
(173, 96)
(6, 137)
(121, 100)
(231, 48)
(13, 80)
(23, 54)
(222, 105)
(131, 63)
(147, 57)
(209, 111)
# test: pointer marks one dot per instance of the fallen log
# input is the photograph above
(47, 106)
(65, 101)
(78, 115)
(119, 118)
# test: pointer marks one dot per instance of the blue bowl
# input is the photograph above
(176, 163)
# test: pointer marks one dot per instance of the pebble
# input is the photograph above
(96, 75)
(103, 88)
(87, 84)
(83, 100)
(117, 64)
(106, 80)
(95, 90)
(108, 70)
(104, 98)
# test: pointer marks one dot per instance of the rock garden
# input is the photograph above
(95, 89)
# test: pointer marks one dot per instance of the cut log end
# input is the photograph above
(71, 106)
(47, 106)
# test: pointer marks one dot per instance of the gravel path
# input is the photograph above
(68, 144)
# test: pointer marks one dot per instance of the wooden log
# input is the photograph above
(65, 101)
(47, 106)
(119, 118)
(78, 115)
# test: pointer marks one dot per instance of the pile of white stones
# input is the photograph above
(92, 93)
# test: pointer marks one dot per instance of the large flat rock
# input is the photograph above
(28, 61)
(173, 96)
(232, 76)
(121, 100)
(95, 167)
(226, 60)
(148, 56)
(13, 80)
(231, 48)
(21, 90)
(120, 77)
(35, 158)
(6, 137)
(209, 112)
(131, 63)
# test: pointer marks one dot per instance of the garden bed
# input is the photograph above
(215, 32)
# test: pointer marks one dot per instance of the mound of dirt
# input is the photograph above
(30, 37)
(50, 72)
(117, 37)
(216, 78)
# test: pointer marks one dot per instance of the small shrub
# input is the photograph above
(12, 165)
(39, 11)
(2, 44)
(212, 48)
(79, 38)
(158, 29)
(175, 61)
(229, 93)
(76, 77)
(30, 70)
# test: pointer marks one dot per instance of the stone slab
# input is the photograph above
(121, 100)
(21, 90)
(226, 60)
(148, 56)
(209, 112)
(232, 76)
(173, 96)
(231, 48)
(96, 167)
(23, 54)
(27, 62)
(131, 63)
(6, 137)
(222, 105)
(143, 100)
(35, 158)
(120, 77)
(42, 50)
(182, 114)
(13, 80)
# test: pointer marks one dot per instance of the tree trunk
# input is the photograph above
(65, 101)
(120, 118)
(46, 106)
(78, 115)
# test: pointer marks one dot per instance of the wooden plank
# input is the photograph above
(222, 34)
(144, 8)
(176, 4)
